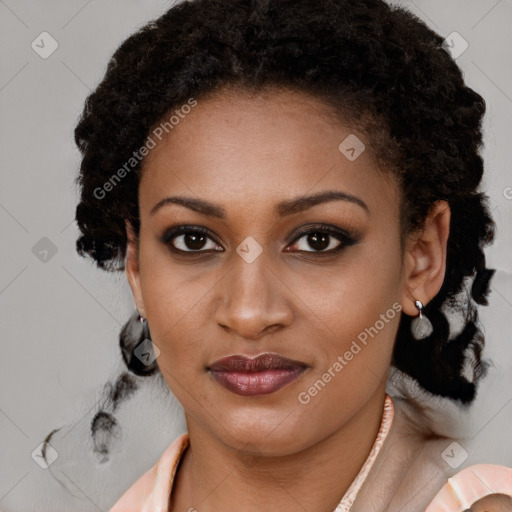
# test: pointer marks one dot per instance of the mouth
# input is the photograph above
(261, 375)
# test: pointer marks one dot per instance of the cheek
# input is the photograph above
(176, 307)
(357, 312)
(351, 365)
(352, 296)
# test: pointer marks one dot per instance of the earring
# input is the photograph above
(146, 350)
(145, 327)
(421, 327)
(139, 352)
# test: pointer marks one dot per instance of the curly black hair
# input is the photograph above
(378, 67)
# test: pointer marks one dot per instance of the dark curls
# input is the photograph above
(378, 67)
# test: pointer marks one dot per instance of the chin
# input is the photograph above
(273, 435)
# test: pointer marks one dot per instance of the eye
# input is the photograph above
(190, 239)
(323, 240)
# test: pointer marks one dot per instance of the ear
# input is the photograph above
(131, 265)
(425, 258)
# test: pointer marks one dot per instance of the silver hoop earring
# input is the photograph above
(421, 326)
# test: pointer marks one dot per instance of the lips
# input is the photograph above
(259, 375)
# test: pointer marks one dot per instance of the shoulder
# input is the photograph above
(151, 491)
(418, 469)
(457, 491)
(438, 464)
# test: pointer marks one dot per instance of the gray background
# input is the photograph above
(60, 318)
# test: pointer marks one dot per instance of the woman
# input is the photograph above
(292, 190)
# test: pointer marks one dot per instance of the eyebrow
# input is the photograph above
(283, 209)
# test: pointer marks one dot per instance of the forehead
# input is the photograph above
(262, 148)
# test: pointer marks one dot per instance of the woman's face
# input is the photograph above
(254, 284)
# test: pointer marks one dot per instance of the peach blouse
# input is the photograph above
(150, 493)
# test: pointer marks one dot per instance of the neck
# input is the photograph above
(214, 477)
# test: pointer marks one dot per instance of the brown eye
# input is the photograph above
(322, 240)
(318, 241)
(188, 239)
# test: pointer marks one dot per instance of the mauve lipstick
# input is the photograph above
(259, 375)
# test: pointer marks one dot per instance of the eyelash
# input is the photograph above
(346, 238)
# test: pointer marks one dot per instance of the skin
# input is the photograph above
(246, 154)
(493, 503)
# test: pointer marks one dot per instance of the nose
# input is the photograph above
(253, 300)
